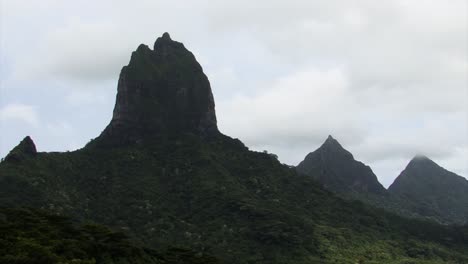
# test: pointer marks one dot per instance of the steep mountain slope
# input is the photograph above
(433, 191)
(162, 172)
(338, 171)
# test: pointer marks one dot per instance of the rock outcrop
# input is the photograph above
(24, 150)
(161, 92)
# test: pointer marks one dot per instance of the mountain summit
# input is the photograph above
(25, 149)
(337, 170)
(161, 92)
(435, 191)
(331, 146)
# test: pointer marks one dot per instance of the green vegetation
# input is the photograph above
(216, 197)
(34, 236)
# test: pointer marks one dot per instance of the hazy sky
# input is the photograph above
(388, 79)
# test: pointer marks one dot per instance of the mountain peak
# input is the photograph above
(161, 92)
(166, 40)
(332, 146)
(420, 157)
(426, 183)
(337, 170)
(421, 170)
(422, 161)
(330, 138)
(166, 36)
(25, 149)
(331, 141)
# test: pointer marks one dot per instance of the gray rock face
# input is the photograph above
(25, 149)
(337, 170)
(161, 92)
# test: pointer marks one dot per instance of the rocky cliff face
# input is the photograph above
(435, 191)
(161, 92)
(337, 170)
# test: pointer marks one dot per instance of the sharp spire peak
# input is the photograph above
(331, 141)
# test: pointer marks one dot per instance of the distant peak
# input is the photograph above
(27, 145)
(166, 41)
(331, 145)
(337, 170)
(166, 36)
(28, 139)
(420, 157)
(330, 141)
(143, 47)
(25, 149)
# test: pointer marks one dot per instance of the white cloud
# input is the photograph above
(78, 51)
(80, 98)
(64, 134)
(295, 110)
(19, 112)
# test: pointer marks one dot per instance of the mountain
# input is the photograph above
(338, 171)
(25, 149)
(423, 190)
(433, 191)
(161, 92)
(162, 173)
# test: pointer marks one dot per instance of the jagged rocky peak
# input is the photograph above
(25, 149)
(161, 92)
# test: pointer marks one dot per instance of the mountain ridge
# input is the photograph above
(423, 189)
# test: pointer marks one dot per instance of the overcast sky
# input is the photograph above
(388, 79)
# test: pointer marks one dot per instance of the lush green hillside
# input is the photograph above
(216, 197)
(31, 236)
